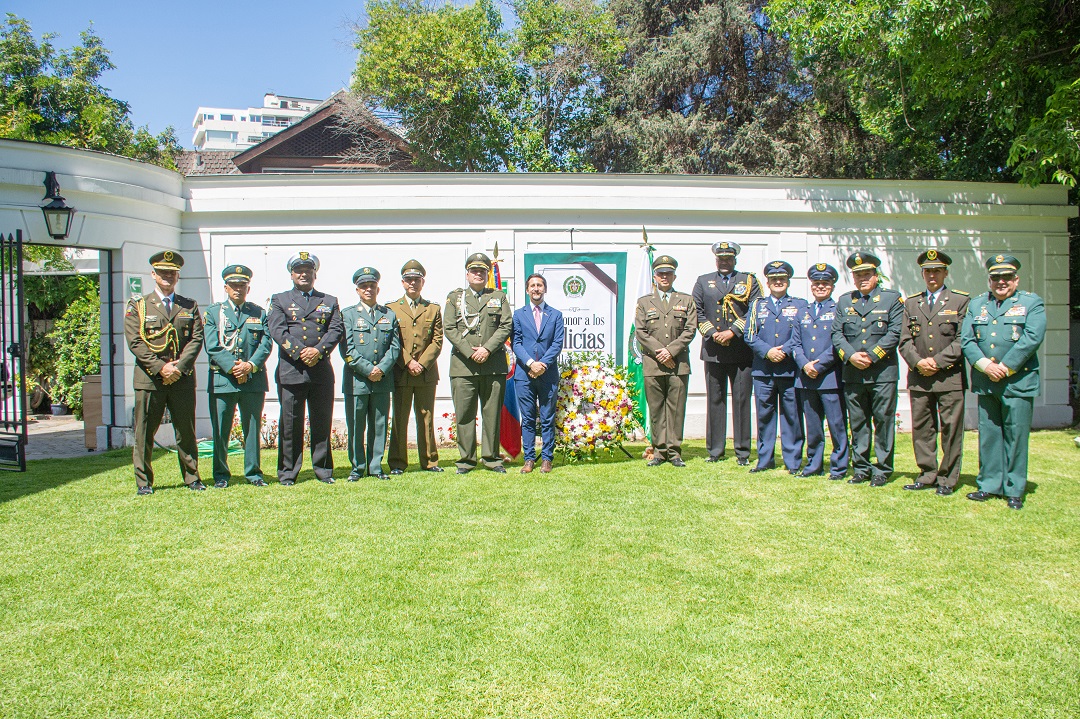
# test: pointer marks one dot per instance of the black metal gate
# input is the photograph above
(12, 361)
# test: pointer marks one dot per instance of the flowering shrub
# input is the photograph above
(594, 410)
(446, 431)
(269, 434)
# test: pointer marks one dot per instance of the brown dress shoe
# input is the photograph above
(545, 466)
(529, 464)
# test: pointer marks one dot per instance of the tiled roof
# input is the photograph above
(206, 162)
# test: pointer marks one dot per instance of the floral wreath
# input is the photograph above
(595, 409)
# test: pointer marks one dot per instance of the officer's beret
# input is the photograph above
(413, 268)
(725, 247)
(236, 273)
(167, 260)
(932, 259)
(779, 268)
(860, 260)
(822, 272)
(303, 258)
(478, 259)
(366, 274)
(664, 263)
(1002, 265)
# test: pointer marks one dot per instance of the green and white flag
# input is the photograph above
(637, 379)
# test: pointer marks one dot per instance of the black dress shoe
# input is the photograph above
(396, 472)
(742, 461)
(859, 479)
(326, 480)
(836, 477)
(221, 483)
(943, 491)
(714, 459)
(380, 475)
(678, 462)
(287, 482)
(143, 491)
(258, 482)
(979, 496)
(760, 469)
(654, 462)
(794, 472)
(804, 473)
(463, 470)
(498, 469)
(879, 481)
(197, 486)
(1015, 502)
(918, 486)
(434, 469)
(354, 477)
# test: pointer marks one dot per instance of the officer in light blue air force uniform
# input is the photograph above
(772, 336)
(1000, 337)
(370, 347)
(819, 380)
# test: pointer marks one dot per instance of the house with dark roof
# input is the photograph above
(340, 135)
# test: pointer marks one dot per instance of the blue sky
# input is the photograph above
(173, 57)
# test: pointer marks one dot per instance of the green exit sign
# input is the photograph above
(134, 286)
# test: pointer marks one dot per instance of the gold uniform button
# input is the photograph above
(994, 322)
(932, 349)
(931, 336)
(991, 346)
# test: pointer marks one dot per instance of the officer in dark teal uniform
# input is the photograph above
(866, 333)
(238, 345)
(371, 345)
(772, 333)
(1001, 336)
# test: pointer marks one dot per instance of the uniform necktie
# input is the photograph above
(930, 304)
(537, 316)
(168, 305)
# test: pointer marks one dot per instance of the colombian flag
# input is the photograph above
(510, 415)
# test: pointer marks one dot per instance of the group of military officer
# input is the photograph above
(390, 354)
(806, 363)
(835, 362)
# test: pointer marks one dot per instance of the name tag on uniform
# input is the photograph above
(1016, 311)
(947, 312)
(790, 311)
(494, 302)
(879, 312)
(252, 321)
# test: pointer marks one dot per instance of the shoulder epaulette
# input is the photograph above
(961, 292)
(913, 297)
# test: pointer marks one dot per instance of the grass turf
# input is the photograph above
(601, 590)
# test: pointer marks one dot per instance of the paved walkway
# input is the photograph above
(55, 437)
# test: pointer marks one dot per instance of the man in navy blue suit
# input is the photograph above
(771, 336)
(538, 340)
(819, 379)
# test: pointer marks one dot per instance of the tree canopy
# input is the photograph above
(55, 96)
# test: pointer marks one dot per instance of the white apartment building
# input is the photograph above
(221, 128)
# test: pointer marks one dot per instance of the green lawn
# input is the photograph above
(600, 590)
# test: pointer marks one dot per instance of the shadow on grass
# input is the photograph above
(45, 474)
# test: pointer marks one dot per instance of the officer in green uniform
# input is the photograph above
(371, 345)
(165, 333)
(238, 345)
(865, 333)
(930, 345)
(478, 321)
(666, 322)
(1001, 336)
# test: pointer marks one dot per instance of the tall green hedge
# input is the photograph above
(77, 340)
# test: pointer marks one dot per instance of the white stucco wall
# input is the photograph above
(385, 219)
